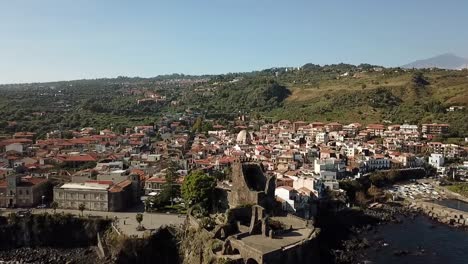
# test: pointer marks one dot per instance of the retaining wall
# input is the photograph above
(442, 214)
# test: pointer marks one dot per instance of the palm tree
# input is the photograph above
(54, 205)
(81, 207)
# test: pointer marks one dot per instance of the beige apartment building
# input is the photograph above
(94, 195)
(22, 191)
(99, 195)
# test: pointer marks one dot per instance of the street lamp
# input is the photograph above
(43, 202)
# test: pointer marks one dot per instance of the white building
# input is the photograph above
(310, 183)
(17, 147)
(321, 138)
(436, 160)
(350, 151)
(287, 195)
(406, 128)
(329, 180)
(294, 200)
(331, 164)
(372, 163)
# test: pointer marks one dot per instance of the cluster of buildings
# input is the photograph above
(307, 158)
(108, 171)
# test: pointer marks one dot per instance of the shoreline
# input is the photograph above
(353, 249)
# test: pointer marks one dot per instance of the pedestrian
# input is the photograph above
(124, 222)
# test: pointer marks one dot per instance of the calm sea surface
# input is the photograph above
(418, 241)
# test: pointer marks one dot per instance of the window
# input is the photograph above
(20, 192)
(27, 192)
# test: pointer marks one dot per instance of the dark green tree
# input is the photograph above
(419, 79)
(170, 189)
(139, 219)
(81, 207)
(54, 206)
(197, 126)
(198, 188)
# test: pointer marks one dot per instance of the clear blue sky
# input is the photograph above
(46, 40)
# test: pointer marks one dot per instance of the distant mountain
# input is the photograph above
(444, 61)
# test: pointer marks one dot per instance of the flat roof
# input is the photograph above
(118, 171)
(266, 245)
(85, 186)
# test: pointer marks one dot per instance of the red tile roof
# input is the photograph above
(435, 124)
(375, 126)
(15, 140)
(100, 182)
(124, 183)
(156, 179)
(80, 158)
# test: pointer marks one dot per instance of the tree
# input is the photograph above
(170, 187)
(378, 178)
(81, 207)
(361, 198)
(207, 126)
(227, 172)
(139, 219)
(197, 126)
(198, 188)
(67, 135)
(219, 175)
(419, 79)
(54, 205)
(374, 192)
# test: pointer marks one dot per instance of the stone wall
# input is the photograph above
(46, 230)
(305, 251)
(250, 186)
(442, 214)
(161, 247)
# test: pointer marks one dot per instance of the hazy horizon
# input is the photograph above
(55, 40)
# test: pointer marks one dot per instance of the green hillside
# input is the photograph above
(343, 93)
(346, 93)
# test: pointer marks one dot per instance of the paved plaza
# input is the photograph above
(125, 222)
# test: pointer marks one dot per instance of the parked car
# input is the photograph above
(23, 213)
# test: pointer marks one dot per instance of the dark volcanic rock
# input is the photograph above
(49, 255)
(351, 250)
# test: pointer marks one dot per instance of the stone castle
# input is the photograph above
(254, 230)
